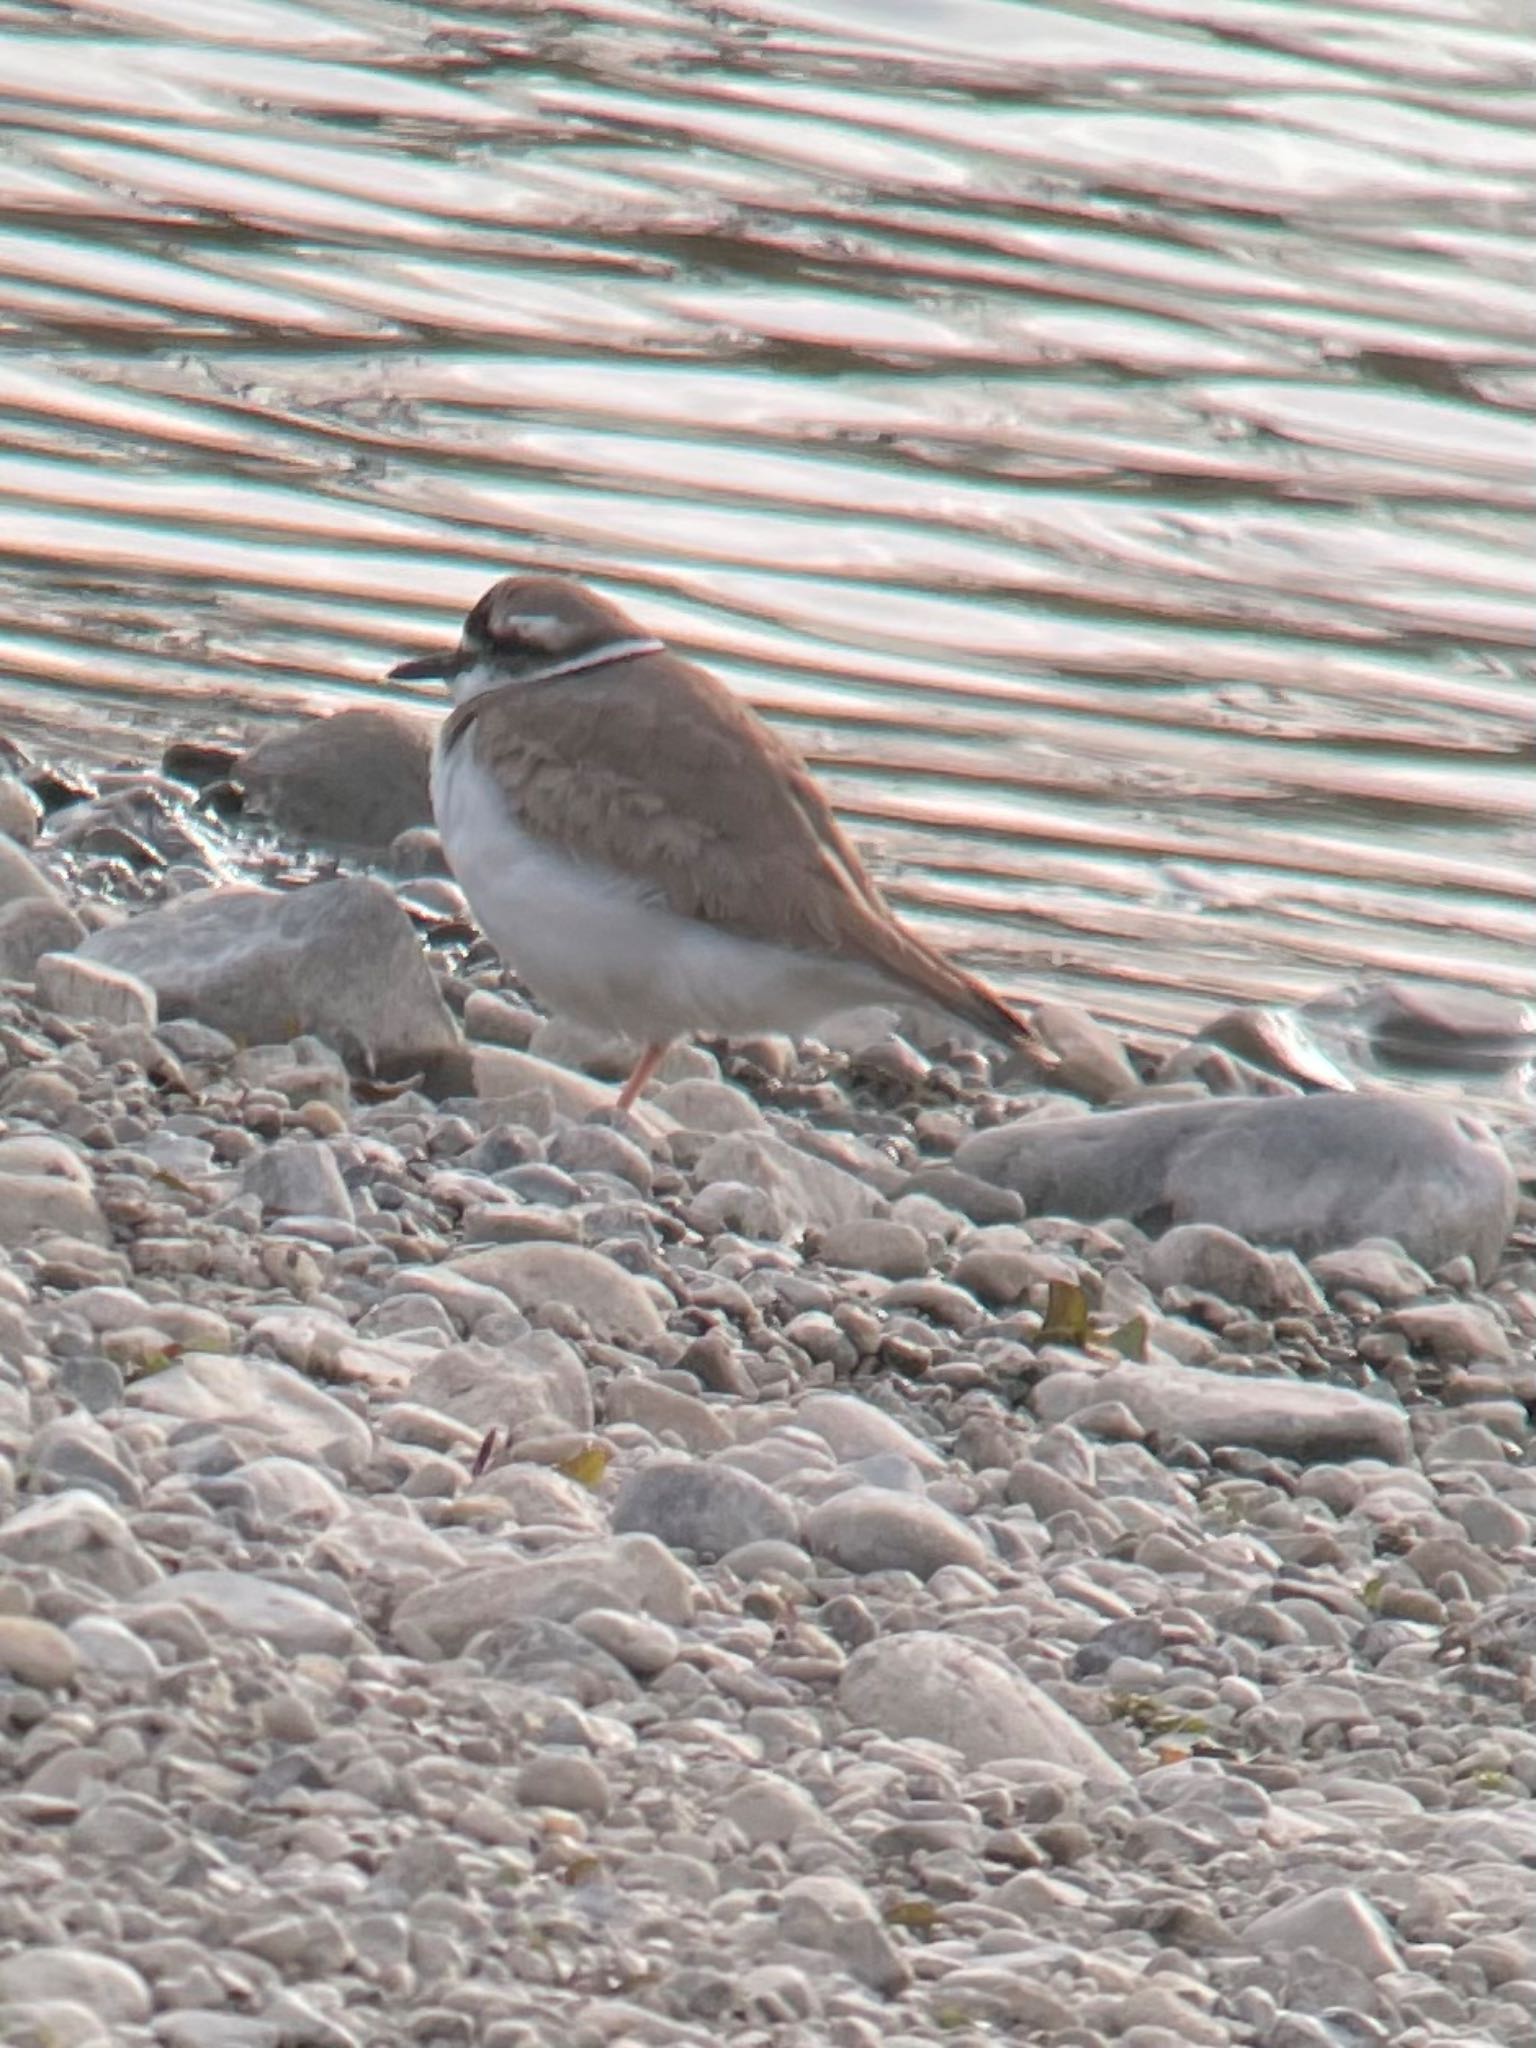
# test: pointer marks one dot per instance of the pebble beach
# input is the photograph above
(878, 1547)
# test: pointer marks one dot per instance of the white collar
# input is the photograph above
(598, 657)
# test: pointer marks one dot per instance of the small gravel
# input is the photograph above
(478, 1569)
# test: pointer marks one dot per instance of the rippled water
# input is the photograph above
(1105, 438)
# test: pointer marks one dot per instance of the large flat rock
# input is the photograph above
(337, 959)
(943, 1688)
(801, 1188)
(1309, 1172)
(1289, 1418)
(617, 1307)
(633, 1573)
(297, 1419)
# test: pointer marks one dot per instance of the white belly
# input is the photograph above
(592, 945)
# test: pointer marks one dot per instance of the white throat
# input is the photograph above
(484, 674)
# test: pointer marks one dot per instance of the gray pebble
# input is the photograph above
(638, 1641)
(106, 1645)
(36, 1653)
(836, 1916)
(877, 1245)
(114, 1991)
(1338, 1921)
(871, 1529)
(569, 1781)
(240, 1603)
(297, 1178)
(946, 1689)
(706, 1508)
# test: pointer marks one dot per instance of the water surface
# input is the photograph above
(1104, 438)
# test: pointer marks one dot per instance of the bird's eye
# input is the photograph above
(476, 630)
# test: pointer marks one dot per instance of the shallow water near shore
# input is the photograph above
(1103, 439)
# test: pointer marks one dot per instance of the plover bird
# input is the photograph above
(648, 856)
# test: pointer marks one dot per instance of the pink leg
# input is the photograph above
(642, 1071)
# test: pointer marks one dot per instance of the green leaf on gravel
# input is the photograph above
(586, 1466)
(151, 1363)
(921, 1914)
(1130, 1340)
(1066, 1315)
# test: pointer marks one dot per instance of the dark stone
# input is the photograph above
(356, 779)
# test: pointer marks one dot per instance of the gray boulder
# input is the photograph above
(1308, 1172)
(338, 959)
(356, 779)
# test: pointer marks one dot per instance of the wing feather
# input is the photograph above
(653, 768)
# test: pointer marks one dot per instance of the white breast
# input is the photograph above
(592, 945)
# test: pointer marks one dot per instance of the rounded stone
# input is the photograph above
(712, 1106)
(1335, 1169)
(872, 1529)
(943, 1688)
(639, 1642)
(573, 1783)
(1338, 1920)
(1215, 1261)
(356, 778)
(705, 1508)
(854, 1428)
(36, 1653)
(613, 1303)
(111, 1990)
(874, 1244)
